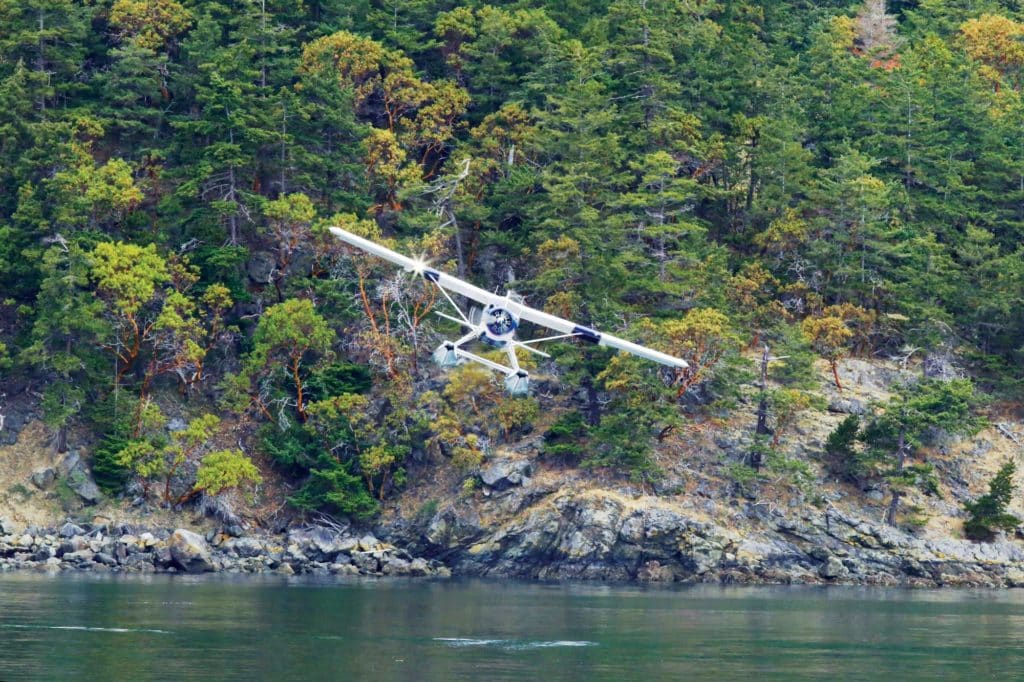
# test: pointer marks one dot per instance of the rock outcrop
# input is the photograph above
(601, 535)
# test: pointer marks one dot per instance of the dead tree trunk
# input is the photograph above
(756, 455)
(894, 503)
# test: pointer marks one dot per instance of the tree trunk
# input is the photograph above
(901, 458)
(890, 514)
(835, 374)
(762, 412)
(62, 432)
(300, 406)
(593, 404)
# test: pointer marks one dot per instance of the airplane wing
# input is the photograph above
(420, 268)
(601, 339)
(484, 297)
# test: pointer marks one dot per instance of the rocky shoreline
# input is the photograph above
(129, 549)
(600, 536)
(573, 537)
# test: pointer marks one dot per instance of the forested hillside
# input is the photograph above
(831, 179)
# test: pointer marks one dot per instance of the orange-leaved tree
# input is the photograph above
(828, 336)
(703, 337)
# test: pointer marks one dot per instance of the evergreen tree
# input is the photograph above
(988, 513)
(66, 333)
(905, 422)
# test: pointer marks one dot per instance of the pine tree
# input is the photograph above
(66, 334)
(988, 513)
(220, 138)
(49, 39)
(900, 429)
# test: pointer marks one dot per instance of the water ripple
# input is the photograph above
(82, 628)
(510, 644)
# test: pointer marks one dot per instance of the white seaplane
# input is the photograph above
(496, 325)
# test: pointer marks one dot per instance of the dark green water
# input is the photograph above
(97, 628)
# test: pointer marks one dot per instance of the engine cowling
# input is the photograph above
(500, 325)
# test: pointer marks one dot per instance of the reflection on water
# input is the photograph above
(159, 627)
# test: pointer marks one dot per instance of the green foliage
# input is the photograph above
(223, 264)
(69, 499)
(564, 440)
(223, 470)
(5, 357)
(343, 455)
(293, 449)
(988, 513)
(785, 404)
(289, 337)
(21, 491)
(516, 414)
(113, 418)
(903, 424)
(107, 470)
(152, 455)
(338, 378)
(618, 443)
(334, 488)
(796, 471)
(843, 456)
(919, 408)
(700, 177)
(795, 366)
(743, 476)
(128, 275)
(427, 511)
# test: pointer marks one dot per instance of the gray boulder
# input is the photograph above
(317, 539)
(139, 562)
(70, 530)
(189, 551)
(368, 543)
(162, 556)
(72, 545)
(44, 553)
(419, 567)
(654, 572)
(245, 547)
(78, 477)
(16, 415)
(43, 478)
(847, 406)
(82, 556)
(104, 558)
(502, 474)
(366, 562)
